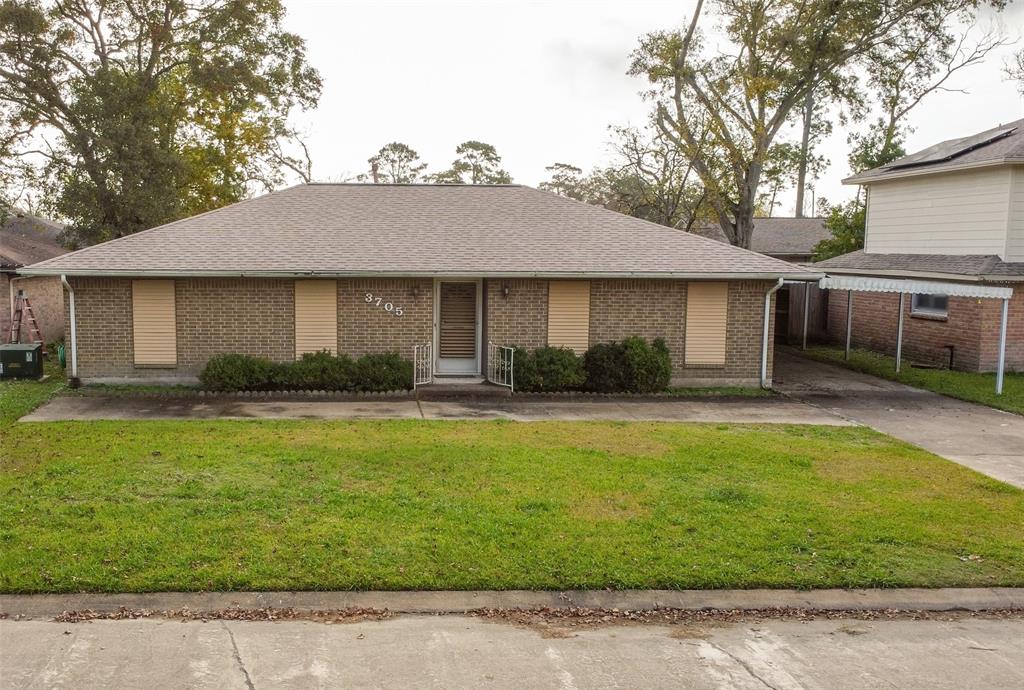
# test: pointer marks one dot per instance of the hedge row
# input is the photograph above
(630, 366)
(314, 371)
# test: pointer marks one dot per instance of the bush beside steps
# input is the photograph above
(631, 365)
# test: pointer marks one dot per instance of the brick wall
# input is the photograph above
(256, 317)
(364, 328)
(971, 327)
(45, 295)
(648, 308)
(103, 309)
(249, 316)
(521, 318)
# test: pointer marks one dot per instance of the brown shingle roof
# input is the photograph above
(1005, 149)
(356, 229)
(973, 266)
(777, 236)
(26, 240)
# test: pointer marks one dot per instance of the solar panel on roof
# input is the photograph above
(949, 149)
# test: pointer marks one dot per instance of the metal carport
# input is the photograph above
(918, 287)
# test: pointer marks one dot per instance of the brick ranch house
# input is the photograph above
(950, 214)
(358, 268)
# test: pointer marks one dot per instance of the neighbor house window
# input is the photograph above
(316, 316)
(569, 314)
(930, 305)
(707, 306)
(154, 336)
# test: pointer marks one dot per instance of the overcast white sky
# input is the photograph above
(541, 81)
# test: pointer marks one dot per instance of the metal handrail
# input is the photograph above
(501, 365)
(422, 365)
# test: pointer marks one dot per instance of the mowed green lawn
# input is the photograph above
(279, 505)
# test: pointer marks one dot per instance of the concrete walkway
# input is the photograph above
(740, 410)
(985, 439)
(464, 652)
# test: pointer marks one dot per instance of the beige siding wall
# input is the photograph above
(569, 314)
(45, 293)
(316, 316)
(1015, 237)
(952, 213)
(153, 323)
(707, 308)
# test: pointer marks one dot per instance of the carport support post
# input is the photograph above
(1002, 347)
(899, 336)
(807, 304)
(849, 321)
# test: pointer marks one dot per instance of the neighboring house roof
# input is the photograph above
(415, 230)
(995, 146)
(971, 267)
(26, 239)
(777, 236)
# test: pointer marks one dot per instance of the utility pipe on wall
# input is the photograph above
(849, 322)
(764, 334)
(807, 309)
(899, 336)
(74, 325)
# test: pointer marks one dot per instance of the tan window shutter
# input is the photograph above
(316, 316)
(153, 324)
(569, 314)
(706, 322)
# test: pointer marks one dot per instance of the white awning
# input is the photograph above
(914, 287)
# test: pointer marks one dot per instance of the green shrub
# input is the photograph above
(318, 371)
(605, 364)
(233, 372)
(648, 367)
(548, 369)
(386, 371)
(630, 366)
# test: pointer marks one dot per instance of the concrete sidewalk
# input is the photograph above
(776, 410)
(983, 438)
(465, 652)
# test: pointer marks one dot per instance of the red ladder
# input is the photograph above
(23, 311)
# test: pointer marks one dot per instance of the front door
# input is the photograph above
(458, 331)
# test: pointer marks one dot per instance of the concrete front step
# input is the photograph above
(462, 389)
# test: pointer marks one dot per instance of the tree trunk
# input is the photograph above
(805, 148)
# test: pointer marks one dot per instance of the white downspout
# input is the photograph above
(74, 325)
(1001, 366)
(764, 334)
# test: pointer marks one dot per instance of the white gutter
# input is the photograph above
(924, 169)
(764, 334)
(799, 275)
(74, 326)
(927, 275)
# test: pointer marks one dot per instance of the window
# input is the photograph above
(569, 314)
(153, 326)
(929, 305)
(707, 306)
(316, 316)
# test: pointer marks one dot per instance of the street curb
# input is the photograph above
(913, 599)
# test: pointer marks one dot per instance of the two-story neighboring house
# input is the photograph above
(953, 214)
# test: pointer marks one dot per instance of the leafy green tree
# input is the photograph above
(475, 163)
(137, 112)
(846, 224)
(742, 95)
(395, 163)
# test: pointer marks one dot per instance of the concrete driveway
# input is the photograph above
(458, 652)
(985, 439)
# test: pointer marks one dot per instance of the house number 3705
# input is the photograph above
(389, 307)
